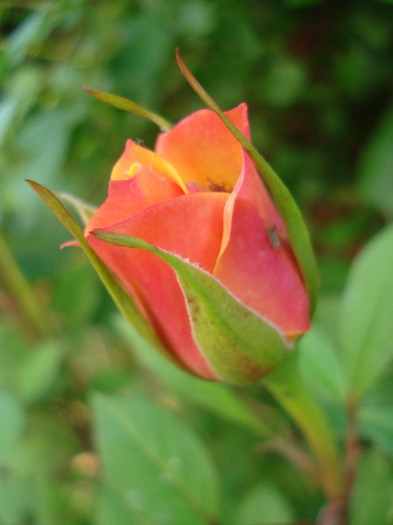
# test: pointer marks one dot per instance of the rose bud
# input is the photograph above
(203, 251)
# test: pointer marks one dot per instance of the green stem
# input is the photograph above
(20, 290)
(288, 388)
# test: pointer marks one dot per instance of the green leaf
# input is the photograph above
(154, 463)
(365, 327)
(13, 421)
(376, 424)
(127, 105)
(372, 494)
(213, 396)
(28, 33)
(38, 370)
(113, 508)
(121, 297)
(297, 231)
(320, 366)
(239, 344)
(375, 172)
(264, 504)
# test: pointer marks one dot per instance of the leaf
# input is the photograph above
(38, 370)
(372, 494)
(214, 396)
(375, 172)
(264, 504)
(154, 463)
(132, 107)
(297, 231)
(320, 365)
(13, 417)
(376, 424)
(26, 34)
(365, 327)
(121, 297)
(239, 344)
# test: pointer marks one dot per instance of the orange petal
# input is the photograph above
(190, 226)
(135, 155)
(202, 149)
(128, 197)
(256, 262)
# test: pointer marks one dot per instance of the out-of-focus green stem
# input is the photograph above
(289, 390)
(17, 286)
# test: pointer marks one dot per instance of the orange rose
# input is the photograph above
(199, 197)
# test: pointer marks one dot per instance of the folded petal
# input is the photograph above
(189, 226)
(130, 196)
(135, 156)
(256, 262)
(202, 149)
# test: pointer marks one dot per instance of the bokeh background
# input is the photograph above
(317, 77)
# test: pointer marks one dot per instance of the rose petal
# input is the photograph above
(135, 154)
(128, 197)
(256, 262)
(202, 149)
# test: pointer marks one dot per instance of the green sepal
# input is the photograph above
(119, 294)
(84, 209)
(239, 344)
(289, 211)
(130, 106)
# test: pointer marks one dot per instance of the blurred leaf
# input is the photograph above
(12, 425)
(217, 397)
(38, 370)
(365, 320)
(376, 424)
(372, 495)
(264, 504)
(76, 294)
(8, 108)
(375, 172)
(154, 463)
(284, 83)
(112, 507)
(28, 33)
(320, 365)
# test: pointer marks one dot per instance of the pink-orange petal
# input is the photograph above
(128, 197)
(134, 155)
(191, 227)
(202, 149)
(256, 262)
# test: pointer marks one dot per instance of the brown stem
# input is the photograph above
(352, 456)
(336, 512)
(294, 455)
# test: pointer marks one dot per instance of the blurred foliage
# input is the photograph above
(317, 76)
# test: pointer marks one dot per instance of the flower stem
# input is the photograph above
(19, 289)
(289, 390)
